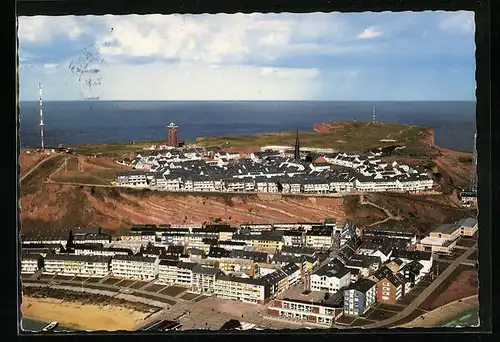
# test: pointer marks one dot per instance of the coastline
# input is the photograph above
(443, 314)
(79, 316)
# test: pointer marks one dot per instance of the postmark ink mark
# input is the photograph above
(87, 67)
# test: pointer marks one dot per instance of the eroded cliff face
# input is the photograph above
(59, 207)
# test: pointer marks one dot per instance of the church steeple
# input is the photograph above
(297, 147)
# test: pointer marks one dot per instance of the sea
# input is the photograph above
(78, 122)
(31, 325)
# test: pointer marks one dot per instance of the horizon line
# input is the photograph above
(371, 101)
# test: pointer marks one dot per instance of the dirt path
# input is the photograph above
(36, 166)
(390, 216)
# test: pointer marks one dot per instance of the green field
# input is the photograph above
(353, 136)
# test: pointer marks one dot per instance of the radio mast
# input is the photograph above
(41, 114)
(373, 114)
(474, 166)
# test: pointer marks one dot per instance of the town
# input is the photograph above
(275, 169)
(320, 274)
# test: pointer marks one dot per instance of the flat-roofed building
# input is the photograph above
(31, 263)
(247, 290)
(83, 265)
(468, 226)
(319, 238)
(175, 272)
(134, 267)
(322, 313)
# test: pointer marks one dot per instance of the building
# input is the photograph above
(173, 135)
(424, 258)
(443, 239)
(390, 288)
(319, 238)
(242, 289)
(82, 265)
(134, 267)
(360, 297)
(135, 179)
(330, 277)
(293, 238)
(468, 226)
(175, 272)
(31, 263)
(322, 313)
(203, 278)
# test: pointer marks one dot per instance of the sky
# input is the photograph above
(388, 56)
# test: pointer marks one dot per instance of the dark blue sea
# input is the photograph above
(79, 122)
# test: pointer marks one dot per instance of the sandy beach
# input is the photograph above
(81, 317)
(433, 318)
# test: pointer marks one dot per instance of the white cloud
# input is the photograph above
(460, 22)
(291, 73)
(42, 29)
(369, 33)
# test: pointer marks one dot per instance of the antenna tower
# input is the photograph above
(41, 113)
(474, 165)
(373, 114)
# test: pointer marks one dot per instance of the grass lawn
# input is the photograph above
(173, 291)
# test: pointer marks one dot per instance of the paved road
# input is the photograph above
(36, 166)
(420, 299)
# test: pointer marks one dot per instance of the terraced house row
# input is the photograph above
(273, 171)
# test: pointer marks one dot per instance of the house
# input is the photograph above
(366, 264)
(395, 265)
(321, 313)
(42, 248)
(412, 273)
(31, 263)
(330, 277)
(134, 267)
(203, 278)
(83, 265)
(360, 297)
(424, 258)
(390, 288)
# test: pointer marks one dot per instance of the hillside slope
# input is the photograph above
(58, 207)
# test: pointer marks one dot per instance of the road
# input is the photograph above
(420, 299)
(36, 166)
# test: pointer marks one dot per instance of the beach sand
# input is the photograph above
(81, 317)
(433, 318)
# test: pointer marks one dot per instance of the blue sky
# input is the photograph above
(316, 56)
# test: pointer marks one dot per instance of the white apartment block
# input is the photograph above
(175, 272)
(134, 267)
(30, 263)
(241, 289)
(84, 265)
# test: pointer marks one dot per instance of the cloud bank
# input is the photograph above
(315, 56)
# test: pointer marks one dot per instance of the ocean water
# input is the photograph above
(31, 325)
(79, 122)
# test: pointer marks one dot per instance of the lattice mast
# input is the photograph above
(474, 165)
(373, 114)
(41, 114)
